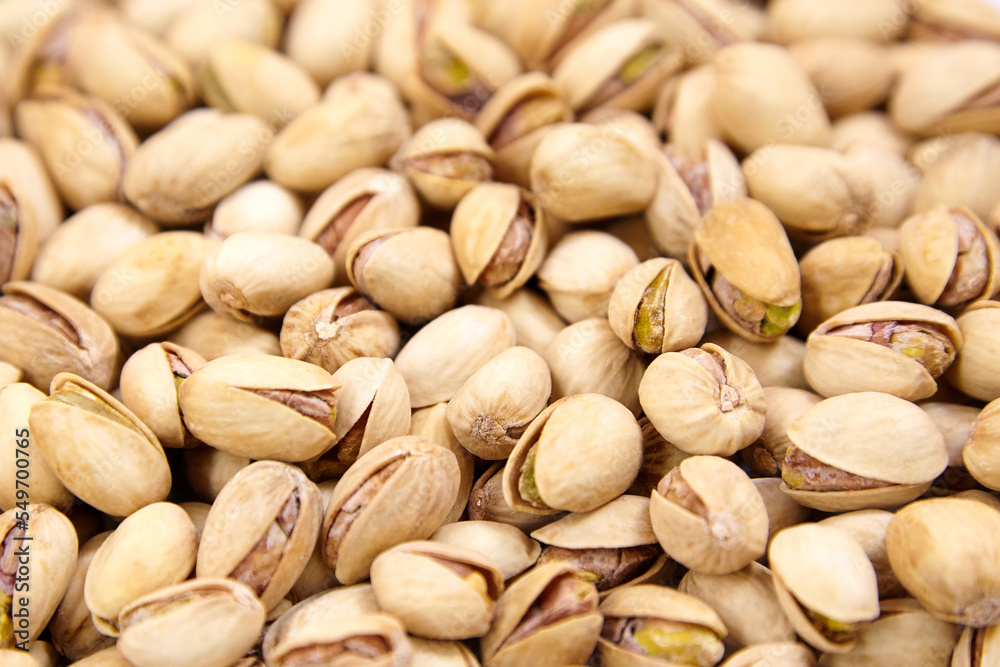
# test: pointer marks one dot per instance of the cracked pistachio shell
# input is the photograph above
(516, 119)
(487, 503)
(524, 630)
(869, 435)
(329, 607)
(684, 111)
(493, 408)
(784, 406)
(22, 168)
(776, 364)
(962, 176)
(510, 549)
(198, 27)
(98, 448)
(373, 405)
(927, 538)
(201, 623)
(445, 353)
(709, 516)
(438, 591)
(261, 406)
(72, 629)
(65, 264)
(950, 263)
(701, 27)
(815, 192)
(778, 654)
(841, 364)
(833, 65)
(46, 331)
(580, 273)
(252, 276)
(410, 272)
(876, 20)
(214, 335)
(745, 602)
(259, 206)
(179, 174)
(365, 200)
(578, 454)
(687, 621)
(444, 160)
(613, 177)
(741, 255)
(51, 541)
(18, 235)
(240, 76)
(323, 36)
(431, 423)
(367, 515)
(703, 400)
(334, 326)
(782, 511)
(981, 454)
(868, 528)
(823, 571)
(657, 307)
(658, 458)
(948, 90)
(974, 647)
(16, 442)
(151, 549)
(499, 237)
(152, 288)
(261, 529)
(84, 143)
(535, 321)
(319, 147)
(150, 381)
(373, 638)
(620, 65)
(845, 272)
(759, 96)
(894, 181)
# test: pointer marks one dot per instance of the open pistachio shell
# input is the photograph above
(961, 19)
(868, 528)
(976, 647)
(511, 550)
(890, 449)
(776, 364)
(784, 406)
(825, 584)
(876, 20)
(431, 423)
(894, 347)
(701, 27)
(376, 638)
(329, 607)
(973, 372)
(981, 454)
(487, 503)
(778, 654)
(150, 382)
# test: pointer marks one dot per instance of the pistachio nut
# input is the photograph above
(411, 273)
(784, 406)
(18, 658)
(39, 482)
(319, 147)
(88, 154)
(964, 19)
(863, 450)
(366, 516)
(151, 549)
(260, 206)
(962, 176)
(845, 272)
(152, 288)
(72, 628)
(516, 118)
(179, 174)
(700, 28)
(208, 470)
(150, 382)
(363, 201)
(198, 513)
(487, 503)
(316, 577)
(64, 263)
(612, 546)
(776, 364)
(198, 27)
(685, 111)
(46, 331)
(433, 653)
(535, 321)
(657, 307)
(949, 89)
(834, 63)
(703, 400)
(976, 646)
(374, 638)
(581, 172)
(33, 584)
(328, 608)
(18, 236)
(743, 262)
(214, 335)
(23, 169)
(796, 20)
(494, 407)
(868, 528)
(950, 257)
(373, 405)
(109, 657)
(511, 550)
(956, 423)
(745, 602)
(153, 16)
(778, 654)
(321, 36)
(580, 273)
(825, 584)
(445, 353)
(256, 275)
(645, 625)
(261, 529)
(894, 347)
(895, 182)
(872, 129)
(981, 455)
(548, 617)
(246, 77)
(438, 591)
(98, 448)
(203, 622)
(9, 374)
(708, 516)
(659, 457)
(760, 94)
(261, 406)
(927, 537)
(431, 423)
(782, 511)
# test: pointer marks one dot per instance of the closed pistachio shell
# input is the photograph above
(72, 628)
(685, 111)
(981, 456)
(214, 335)
(895, 182)
(778, 654)
(703, 27)
(511, 550)
(431, 423)
(962, 176)
(833, 65)
(535, 321)
(879, 21)
(782, 511)
(328, 39)
(776, 364)
(873, 129)
(432, 653)
(197, 28)
(259, 206)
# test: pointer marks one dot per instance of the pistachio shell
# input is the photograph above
(782, 511)
(974, 646)
(510, 549)
(431, 653)
(260, 206)
(214, 335)
(784, 406)
(685, 110)
(705, 26)
(72, 628)
(776, 364)
(833, 65)
(323, 36)
(623, 522)
(431, 423)
(778, 654)
(317, 637)
(878, 20)
(980, 456)
(934, 19)
(868, 528)
(535, 321)
(871, 129)
(196, 29)
(24, 170)
(962, 175)
(487, 503)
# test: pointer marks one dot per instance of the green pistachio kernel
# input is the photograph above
(526, 484)
(77, 396)
(835, 631)
(681, 645)
(636, 66)
(779, 319)
(649, 316)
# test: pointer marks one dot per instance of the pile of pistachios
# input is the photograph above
(500, 333)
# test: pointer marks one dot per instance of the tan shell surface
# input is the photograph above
(778, 654)
(652, 601)
(510, 94)
(510, 549)
(973, 372)
(928, 244)
(623, 522)
(373, 385)
(981, 454)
